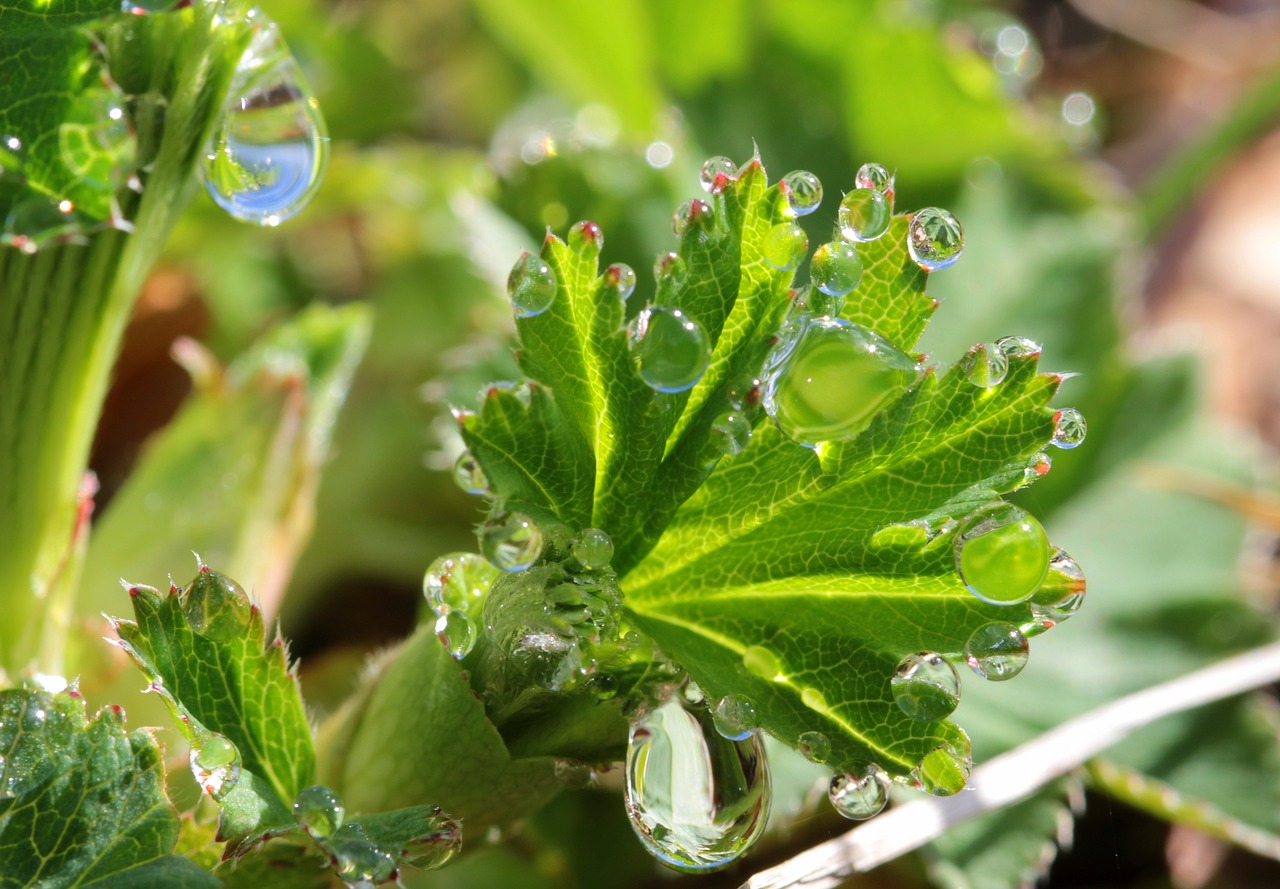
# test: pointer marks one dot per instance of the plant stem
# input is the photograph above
(1015, 775)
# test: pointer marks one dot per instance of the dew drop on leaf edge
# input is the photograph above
(985, 365)
(785, 246)
(735, 717)
(802, 190)
(935, 239)
(458, 633)
(997, 651)
(864, 215)
(319, 811)
(512, 542)
(531, 286)
(215, 763)
(717, 173)
(1002, 553)
(926, 686)
(874, 177)
(943, 771)
(1069, 429)
(621, 279)
(593, 549)
(815, 746)
(469, 475)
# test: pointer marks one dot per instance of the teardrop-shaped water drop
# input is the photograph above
(935, 239)
(96, 140)
(1002, 553)
(672, 349)
(621, 279)
(735, 717)
(802, 190)
(268, 150)
(860, 794)
(985, 365)
(215, 763)
(585, 238)
(319, 811)
(943, 771)
(469, 475)
(1061, 594)
(874, 177)
(717, 174)
(457, 632)
(835, 268)
(926, 686)
(815, 746)
(864, 215)
(696, 799)
(593, 549)
(511, 543)
(997, 651)
(458, 581)
(1069, 429)
(531, 286)
(438, 848)
(833, 381)
(785, 246)
(216, 606)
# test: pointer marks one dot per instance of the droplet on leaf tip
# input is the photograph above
(802, 190)
(717, 174)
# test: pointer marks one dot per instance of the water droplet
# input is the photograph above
(96, 140)
(215, 763)
(1018, 346)
(813, 699)
(621, 279)
(717, 173)
(943, 771)
(360, 864)
(833, 381)
(744, 393)
(593, 549)
(216, 606)
(1002, 554)
(985, 365)
(1061, 594)
(935, 239)
(835, 268)
(997, 651)
(436, 849)
(457, 631)
(815, 302)
(672, 349)
(585, 238)
(735, 717)
(458, 581)
(864, 215)
(696, 216)
(874, 177)
(697, 800)
(785, 246)
(815, 746)
(669, 270)
(1069, 428)
(319, 811)
(926, 686)
(265, 158)
(573, 774)
(803, 192)
(511, 543)
(730, 433)
(531, 286)
(760, 661)
(859, 795)
(469, 475)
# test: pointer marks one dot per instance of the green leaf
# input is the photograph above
(84, 801)
(205, 652)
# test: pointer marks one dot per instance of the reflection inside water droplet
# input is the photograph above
(815, 746)
(943, 771)
(1002, 554)
(1069, 429)
(785, 246)
(319, 811)
(997, 651)
(531, 286)
(735, 717)
(985, 365)
(621, 279)
(802, 190)
(511, 543)
(672, 349)
(593, 549)
(860, 794)
(926, 686)
(935, 239)
(835, 268)
(864, 215)
(1061, 594)
(469, 475)
(215, 763)
(717, 173)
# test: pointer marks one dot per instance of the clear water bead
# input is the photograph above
(730, 433)
(744, 393)
(360, 864)
(997, 651)
(815, 746)
(985, 365)
(935, 239)
(875, 178)
(531, 286)
(1002, 554)
(696, 799)
(864, 215)
(458, 581)
(319, 811)
(672, 349)
(835, 268)
(268, 150)
(802, 190)
(469, 475)
(621, 279)
(457, 632)
(1069, 429)
(585, 238)
(593, 549)
(815, 302)
(785, 246)
(717, 173)
(511, 543)
(669, 270)
(943, 771)
(215, 763)
(926, 686)
(1018, 346)
(573, 774)
(735, 717)
(859, 795)
(1061, 594)
(96, 139)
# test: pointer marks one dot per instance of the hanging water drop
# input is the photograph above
(469, 475)
(985, 365)
(735, 717)
(672, 349)
(1018, 346)
(621, 279)
(265, 158)
(360, 864)
(997, 651)
(215, 763)
(833, 380)
(864, 215)
(697, 800)
(457, 632)
(319, 811)
(943, 771)
(458, 581)
(669, 270)
(1069, 429)
(1002, 554)
(785, 246)
(593, 549)
(874, 177)
(760, 661)
(1061, 594)
(935, 239)
(531, 286)
(585, 238)
(926, 686)
(802, 190)
(815, 746)
(511, 543)
(835, 268)
(861, 794)
(717, 173)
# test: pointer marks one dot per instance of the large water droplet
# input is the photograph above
(803, 192)
(985, 365)
(717, 173)
(96, 139)
(359, 863)
(511, 543)
(1061, 594)
(815, 746)
(875, 178)
(469, 475)
(835, 268)
(621, 279)
(925, 686)
(697, 800)
(785, 246)
(457, 632)
(833, 380)
(1002, 554)
(265, 158)
(997, 651)
(730, 433)
(760, 661)
(437, 848)
(1069, 428)
(531, 286)
(859, 795)
(215, 763)
(319, 811)
(935, 239)
(943, 771)
(735, 717)
(672, 348)
(458, 581)
(216, 606)
(593, 549)
(864, 215)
